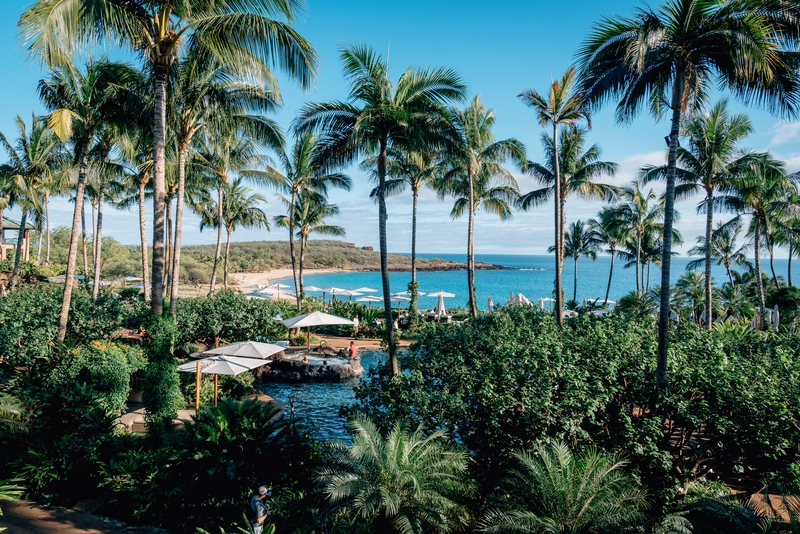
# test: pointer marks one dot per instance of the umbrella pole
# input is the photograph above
(308, 338)
(197, 389)
(216, 381)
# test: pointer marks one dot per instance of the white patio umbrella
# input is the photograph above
(312, 289)
(519, 298)
(247, 349)
(399, 299)
(331, 290)
(307, 320)
(440, 310)
(444, 294)
(407, 293)
(217, 365)
(370, 299)
(350, 293)
(282, 296)
(366, 290)
(278, 285)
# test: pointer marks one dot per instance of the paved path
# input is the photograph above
(26, 517)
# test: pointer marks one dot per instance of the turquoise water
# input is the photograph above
(530, 275)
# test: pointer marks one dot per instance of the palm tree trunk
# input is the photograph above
(759, 280)
(2, 200)
(559, 305)
(387, 303)
(413, 287)
(298, 287)
(159, 144)
(638, 261)
(73, 244)
(93, 208)
(575, 281)
(648, 275)
(18, 254)
(225, 264)
(85, 255)
(473, 307)
(709, 227)
(47, 226)
(168, 246)
(771, 251)
(669, 218)
(730, 274)
(789, 266)
(219, 239)
(143, 236)
(176, 247)
(98, 238)
(39, 244)
(302, 259)
(610, 273)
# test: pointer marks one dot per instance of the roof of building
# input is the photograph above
(11, 224)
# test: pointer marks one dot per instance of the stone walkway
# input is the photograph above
(25, 517)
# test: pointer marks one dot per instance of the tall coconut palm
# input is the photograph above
(712, 154)
(219, 155)
(309, 212)
(378, 116)
(666, 61)
(564, 105)
(407, 481)
(640, 214)
(555, 491)
(32, 161)
(723, 250)
(476, 177)
(246, 36)
(302, 171)
(208, 91)
(579, 241)
(412, 169)
(241, 210)
(611, 235)
(763, 191)
(80, 104)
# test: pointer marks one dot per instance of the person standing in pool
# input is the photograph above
(352, 350)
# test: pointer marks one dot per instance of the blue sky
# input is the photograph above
(499, 50)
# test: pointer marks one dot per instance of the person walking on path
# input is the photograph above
(355, 326)
(260, 509)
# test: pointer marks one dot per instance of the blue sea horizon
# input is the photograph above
(531, 275)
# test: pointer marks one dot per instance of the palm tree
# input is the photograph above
(404, 482)
(641, 214)
(310, 210)
(380, 116)
(555, 491)
(565, 106)
(242, 35)
(763, 191)
(413, 169)
(723, 248)
(241, 209)
(690, 293)
(712, 155)
(611, 235)
(580, 241)
(666, 60)
(218, 154)
(32, 161)
(302, 171)
(80, 104)
(475, 175)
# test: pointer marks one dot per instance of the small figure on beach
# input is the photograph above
(352, 350)
(355, 326)
(489, 303)
(260, 509)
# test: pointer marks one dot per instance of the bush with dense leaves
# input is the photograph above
(161, 391)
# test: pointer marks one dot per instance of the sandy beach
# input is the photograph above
(249, 282)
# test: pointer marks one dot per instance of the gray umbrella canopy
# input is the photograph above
(221, 365)
(247, 349)
(315, 319)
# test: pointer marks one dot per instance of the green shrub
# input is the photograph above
(161, 393)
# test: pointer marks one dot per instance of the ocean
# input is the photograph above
(530, 275)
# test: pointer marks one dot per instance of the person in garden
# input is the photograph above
(355, 327)
(260, 509)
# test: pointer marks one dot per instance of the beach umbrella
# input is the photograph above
(399, 299)
(307, 320)
(247, 349)
(370, 299)
(217, 365)
(282, 296)
(312, 289)
(444, 294)
(278, 285)
(349, 293)
(366, 290)
(440, 310)
(331, 290)
(519, 298)
(407, 293)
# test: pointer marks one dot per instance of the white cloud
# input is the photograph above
(784, 132)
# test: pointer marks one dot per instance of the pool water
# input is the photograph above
(318, 403)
